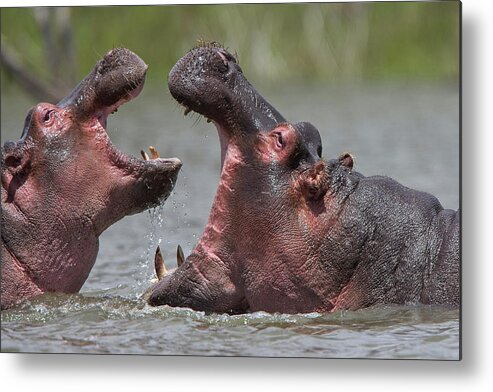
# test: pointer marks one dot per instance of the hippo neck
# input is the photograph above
(220, 225)
(240, 207)
(39, 255)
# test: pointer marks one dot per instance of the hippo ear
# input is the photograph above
(315, 182)
(347, 160)
(18, 167)
(15, 161)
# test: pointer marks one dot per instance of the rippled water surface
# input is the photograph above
(100, 322)
(409, 132)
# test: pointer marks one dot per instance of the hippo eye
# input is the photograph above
(48, 116)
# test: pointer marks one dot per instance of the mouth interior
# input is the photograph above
(223, 132)
(125, 161)
(103, 113)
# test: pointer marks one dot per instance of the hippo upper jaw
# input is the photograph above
(117, 78)
(209, 81)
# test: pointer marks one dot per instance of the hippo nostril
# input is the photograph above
(223, 57)
(224, 66)
(228, 61)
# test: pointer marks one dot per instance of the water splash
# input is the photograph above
(170, 224)
(154, 239)
(178, 231)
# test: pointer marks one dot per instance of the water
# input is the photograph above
(102, 323)
(409, 132)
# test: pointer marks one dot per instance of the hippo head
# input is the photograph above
(64, 183)
(209, 81)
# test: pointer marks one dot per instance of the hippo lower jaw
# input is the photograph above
(148, 181)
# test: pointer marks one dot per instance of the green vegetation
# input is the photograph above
(305, 42)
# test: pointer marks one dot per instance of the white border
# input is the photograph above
(133, 373)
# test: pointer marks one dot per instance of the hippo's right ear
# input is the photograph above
(347, 160)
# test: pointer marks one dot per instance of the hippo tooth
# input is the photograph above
(180, 257)
(144, 155)
(159, 264)
(154, 152)
(187, 110)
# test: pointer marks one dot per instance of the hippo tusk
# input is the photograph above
(154, 152)
(159, 264)
(144, 155)
(180, 257)
(187, 110)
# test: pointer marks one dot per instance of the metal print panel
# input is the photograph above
(280, 180)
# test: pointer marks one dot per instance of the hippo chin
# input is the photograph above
(290, 232)
(64, 183)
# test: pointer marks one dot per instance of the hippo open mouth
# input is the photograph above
(209, 81)
(64, 183)
(117, 79)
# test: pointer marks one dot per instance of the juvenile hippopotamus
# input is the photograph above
(64, 183)
(291, 232)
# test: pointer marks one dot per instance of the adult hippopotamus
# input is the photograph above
(291, 232)
(64, 183)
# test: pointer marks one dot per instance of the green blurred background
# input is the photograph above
(331, 42)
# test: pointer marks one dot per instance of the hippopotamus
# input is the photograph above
(64, 183)
(292, 232)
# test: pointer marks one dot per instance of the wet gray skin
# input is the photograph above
(233, 102)
(64, 183)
